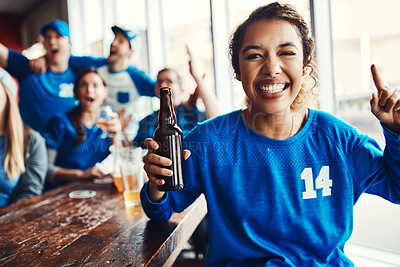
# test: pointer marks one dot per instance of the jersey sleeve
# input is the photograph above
(146, 129)
(54, 132)
(18, 65)
(200, 115)
(144, 84)
(78, 63)
(375, 171)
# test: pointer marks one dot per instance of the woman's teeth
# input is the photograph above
(272, 88)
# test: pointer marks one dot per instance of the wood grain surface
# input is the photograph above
(55, 230)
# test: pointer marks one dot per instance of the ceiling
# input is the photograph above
(18, 7)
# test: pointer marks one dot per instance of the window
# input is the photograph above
(363, 33)
(188, 23)
(361, 38)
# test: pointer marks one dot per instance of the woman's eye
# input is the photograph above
(253, 56)
(288, 53)
(83, 85)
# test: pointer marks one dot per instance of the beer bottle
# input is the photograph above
(169, 138)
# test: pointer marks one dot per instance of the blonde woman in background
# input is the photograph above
(22, 151)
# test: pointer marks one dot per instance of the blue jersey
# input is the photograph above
(41, 95)
(186, 119)
(7, 185)
(144, 84)
(125, 88)
(60, 135)
(281, 202)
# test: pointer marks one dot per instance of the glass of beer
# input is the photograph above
(116, 172)
(105, 115)
(132, 174)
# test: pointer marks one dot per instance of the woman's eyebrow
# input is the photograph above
(259, 47)
(288, 44)
(251, 47)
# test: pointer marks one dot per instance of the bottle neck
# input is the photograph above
(166, 114)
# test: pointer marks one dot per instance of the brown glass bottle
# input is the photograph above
(169, 138)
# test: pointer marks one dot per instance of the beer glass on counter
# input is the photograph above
(116, 169)
(132, 173)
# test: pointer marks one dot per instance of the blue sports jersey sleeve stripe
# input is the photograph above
(144, 84)
(77, 63)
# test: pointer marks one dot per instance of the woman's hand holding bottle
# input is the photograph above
(152, 163)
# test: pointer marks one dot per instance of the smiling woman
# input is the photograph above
(282, 191)
(280, 66)
(75, 143)
(283, 55)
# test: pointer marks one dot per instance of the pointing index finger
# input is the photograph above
(379, 84)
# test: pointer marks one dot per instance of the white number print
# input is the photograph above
(321, 182)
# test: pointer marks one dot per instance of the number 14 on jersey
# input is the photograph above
(321, 182)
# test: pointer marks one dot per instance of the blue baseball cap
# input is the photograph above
(60, 26)
(128, 33)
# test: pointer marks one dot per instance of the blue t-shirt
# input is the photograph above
(281, 202)
(60, 135)
(186, 119)
(7, 185)
(41, 95)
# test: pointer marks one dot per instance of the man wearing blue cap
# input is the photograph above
(44, 94)
(125, 82)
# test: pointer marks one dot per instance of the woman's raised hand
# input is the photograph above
(385, 103)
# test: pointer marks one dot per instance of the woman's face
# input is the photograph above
(271, 65)
(91, 92)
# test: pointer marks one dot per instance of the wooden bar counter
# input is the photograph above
(56, 230)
